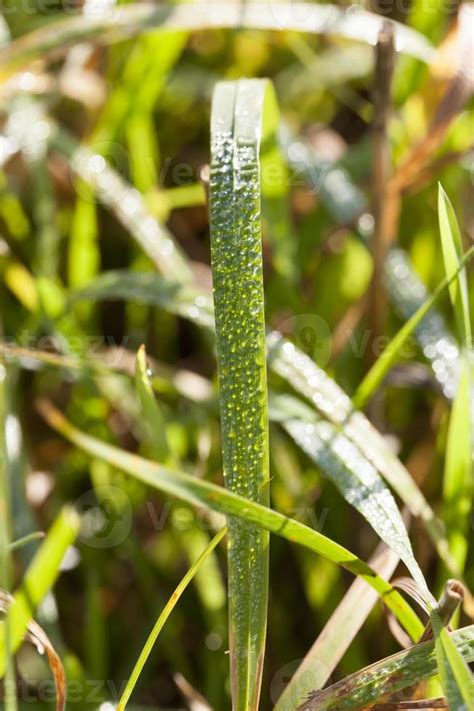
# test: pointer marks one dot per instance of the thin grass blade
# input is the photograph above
(457, 481)
(161, 621)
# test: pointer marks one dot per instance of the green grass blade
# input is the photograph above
(390, 675)
(26, 540)
(39, 579)
(152, 414)
(457, 482)
(198, 492)
(144, 75)
(451, 244)
(456, 678)
(161, 621)
(236, 251)
(386, 360)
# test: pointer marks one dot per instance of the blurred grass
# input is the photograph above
(144, 106)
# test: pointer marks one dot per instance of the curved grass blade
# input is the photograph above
(356, 478)
(54, 39)
(169, 607)
(407, 294)
(26, 540)
(38, 580)
(388, 357)
(202, 493)
(237, 130)
(388, 676)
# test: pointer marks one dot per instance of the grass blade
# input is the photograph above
(389, 675)
(169, 607)
(456, 678)
(6, 655)
(457, 482)
(236, 128)
(38, 580)
(202, 493)
(26, 540)
(125, 202)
